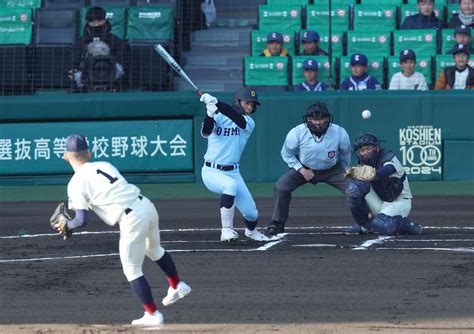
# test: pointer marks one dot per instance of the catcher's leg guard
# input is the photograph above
(355, 192)
(386, 225)
(407, 227)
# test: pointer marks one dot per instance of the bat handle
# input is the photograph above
(199, 92)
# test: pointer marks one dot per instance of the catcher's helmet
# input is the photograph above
(245, 94)
(315, 111)
(367, 139)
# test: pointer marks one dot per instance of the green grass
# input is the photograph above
(197, 190)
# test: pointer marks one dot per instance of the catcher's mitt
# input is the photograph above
(59, 219)
(361, 172)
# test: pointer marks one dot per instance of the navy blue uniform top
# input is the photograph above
(419, 21)
(362, 82)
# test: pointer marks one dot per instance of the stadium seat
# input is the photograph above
(259, 41)
(285, 18)
(266, 71)
(55, 26)
(111, 3)
(317, 17)
(381, 17)
(337, 42)
(288, 2)
(150, 23)
(325, 76)
(15, 26)
(148, 71)
(375, 68)
(20, 3)
(117, 16)
(375, 43)
(451, 9)
(55, 33)
(412, 9)
(152, 3)
(376, 2)
(64, 4)
(423, 65)
(422, 41)
(447, 40)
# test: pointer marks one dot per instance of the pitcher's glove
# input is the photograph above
(59, 219)
(361, 173)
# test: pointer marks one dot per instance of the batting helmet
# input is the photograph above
(245, 94)
(315, 111)
(367, 139)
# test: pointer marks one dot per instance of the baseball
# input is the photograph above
(366, 114)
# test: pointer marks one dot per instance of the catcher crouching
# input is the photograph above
(379, 194)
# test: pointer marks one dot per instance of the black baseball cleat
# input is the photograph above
(275, 228)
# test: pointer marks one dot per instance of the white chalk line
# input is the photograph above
(316, 245)
(366, 244)
(455, 249)
(218, 229)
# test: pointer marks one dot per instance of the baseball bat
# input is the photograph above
(175, 66)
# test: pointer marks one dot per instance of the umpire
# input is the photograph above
(316, 151)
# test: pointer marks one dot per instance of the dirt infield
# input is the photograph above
(314, 279)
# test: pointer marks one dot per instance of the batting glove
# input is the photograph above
(208, 99)
(211, 109)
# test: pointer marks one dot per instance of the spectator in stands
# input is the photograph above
(459, 76)
(425, 19)
(310, 73)
(408, 78)
(360, 80)
(275, 46)
(465, 15)
(310, 42)
(98, 41)
(462, 35)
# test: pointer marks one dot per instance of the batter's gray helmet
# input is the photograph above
(245, 94)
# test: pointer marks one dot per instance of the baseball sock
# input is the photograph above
(166, 264)
(142, 289)
(250, 225)
(227, 210)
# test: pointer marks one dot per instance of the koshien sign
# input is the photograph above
(421, 150)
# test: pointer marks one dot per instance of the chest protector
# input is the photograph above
(388, 188)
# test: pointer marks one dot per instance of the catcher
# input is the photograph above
(100, 187)
(379, 195)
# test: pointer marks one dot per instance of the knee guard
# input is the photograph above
(355, 192)
(386, 225)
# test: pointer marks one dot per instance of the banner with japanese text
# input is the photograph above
(132, 146)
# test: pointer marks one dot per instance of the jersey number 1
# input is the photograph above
(110, 178)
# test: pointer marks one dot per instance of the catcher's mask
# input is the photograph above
(245, 94)
(367, 139)
(318, 111)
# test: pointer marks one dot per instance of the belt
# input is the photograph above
(128, 210)
(221, 167)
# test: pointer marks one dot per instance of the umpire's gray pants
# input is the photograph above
(288, 182)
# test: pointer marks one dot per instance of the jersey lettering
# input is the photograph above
(110, 178)
(231, 131)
